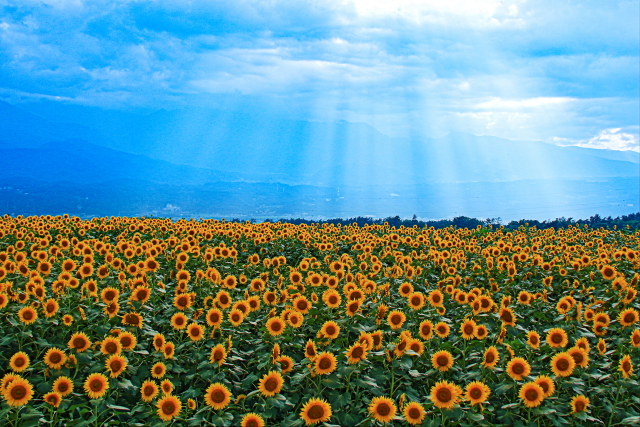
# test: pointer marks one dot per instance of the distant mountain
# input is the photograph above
(78, 161)
(625, 156)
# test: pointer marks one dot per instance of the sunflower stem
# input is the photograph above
(615, 404)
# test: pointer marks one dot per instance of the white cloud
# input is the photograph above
(511, 104)
(610, 139)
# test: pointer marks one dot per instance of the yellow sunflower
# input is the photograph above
(18, 392)
(218, 355)
(445, 395)
(271, 384)
(315, 411)
(275, 326)
(396, 319)
(557, 337)
(52, 398)
(468, 329)
(325, 363)
(27, 315)
(63, 386)
(442, 360)
(579, 403)
(531, 394)
(426, 330)
(252, 420)
(96, 385)
(477, 392)
(168, 407)
(626, 366)
(79, 341)
(330, 329)
(562, 364)
(580, 356)
(286, 364)
(491, 357)
(149, 390)
(158, 370)
(628, 317)
(116, 365)
(547, 385)
(217, 396)
(518, 368)
(195, 332)
(533, 339)
(414, 413)
(442, 329)
(356, 353)
(19, 362)
(382, 409)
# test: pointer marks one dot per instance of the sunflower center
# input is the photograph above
(414, 413)
(562, 364)
(27, 315)
(63, 387)
(426, 330)
(316, 412)
(196, 332)
(442, 361)
(276, 326)
(444, 395)
(168, 407)
(580, 406)
(489, 357)
(577, 357)
(109, 295)
(252, 423)
(331, 330)
(217, 355)
(148, 390)
(436, 298)
(115, 365)
(626, 366)
(78, 342)
(636, 339)
(357, 352)
(96, 385)
(544, 386)
(125, 341)
(629, 318)
(556, 338)
(395, 319)
(18, 392)
(325, 363)
(271, 384)
(518, 368)
(402, 345)
(20, 361)
(111, 347)
(534, 340)
(383, 409)
(468, 329)
(333, 299)
(217, 396)
(416, 300)
(531, 395)
(475, 393)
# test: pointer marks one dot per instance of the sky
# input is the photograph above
(564, 72)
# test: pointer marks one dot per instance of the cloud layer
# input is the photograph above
(515, 69)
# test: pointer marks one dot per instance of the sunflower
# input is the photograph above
(79, 341)
(325, 363)
(19, 362)
(468, 329)
(416, 301)
(111, 345)
(169, 350)
(426, 330)
(580, 356)
(626, 367)
(557, 337)
(166, 386)
(518, 368)
(562, 364)
(168, 407)
(223, 299)
(315, 411)
(396, 319)
(286, 363)
(414, 413)
(214, 317)
(179, 321)
(18, 392)
(382, 409)
(442, 360)
(109, 295)
(27, 315)
(608, 272)
(531, 394)
(96, 385)
(116, 365)
(547, 384)
(436, 298)
(477, 392)
(149, 390)
(218, 355)
(491, 357)
(635, 338)
(50, 308)
(602, 346)
(445, 395)
(507, 316)
(628, 317)
(52, 398)
(295, 319)
(442, 329)
(158, 341)
(302, 304)
(63, 386)
(54, 358)
(310, 351)
(583, 343)
(217, 396)
(128, 340)
(579, 403)
(330, 329)
(158, 370)
(416, 346)
(331, 298)
(271, 384)
(252, 420)
(533, 339)
(481, 332)
(195, 332)
(132, 319)
(356, 353)
(275, 326)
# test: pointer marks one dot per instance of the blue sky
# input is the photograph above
(564, 72)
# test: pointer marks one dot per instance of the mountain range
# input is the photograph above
(192, 148)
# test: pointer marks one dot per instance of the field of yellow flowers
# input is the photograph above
(147, 321)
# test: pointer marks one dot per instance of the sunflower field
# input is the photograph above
(149, 321)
